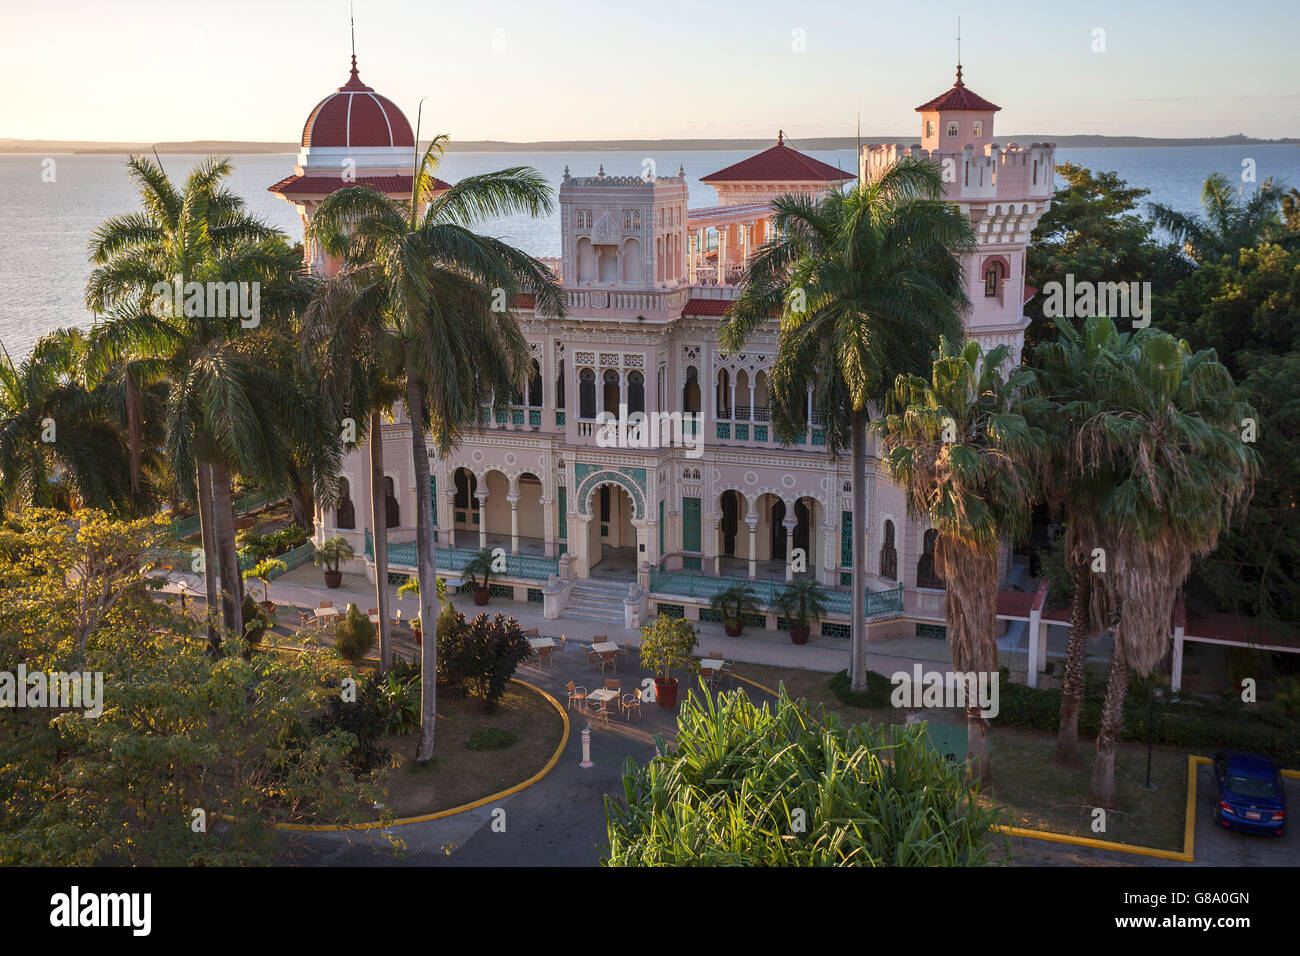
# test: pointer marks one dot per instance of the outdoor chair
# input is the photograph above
(306, 620)
(601, 713)
(576, 692)
(591, 656)
(531, 633)
(632, 702)
(544, 656)
(613, 683)
(608, 659)
(564, 642)
(325, 604)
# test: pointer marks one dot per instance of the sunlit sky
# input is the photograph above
(157, 70)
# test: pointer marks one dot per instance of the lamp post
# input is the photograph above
(1156, 693)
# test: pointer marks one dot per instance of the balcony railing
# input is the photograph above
(524, 566)
(704, 586)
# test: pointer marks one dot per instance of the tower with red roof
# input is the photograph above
(1004, 191)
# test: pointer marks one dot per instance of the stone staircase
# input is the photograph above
(591, 599)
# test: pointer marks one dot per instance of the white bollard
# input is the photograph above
(586, 748)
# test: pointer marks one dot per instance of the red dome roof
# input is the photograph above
(959, 99)
(356, 117)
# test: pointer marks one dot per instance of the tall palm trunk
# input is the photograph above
(970, 572)
(208, 536)
(379, 535)
(858, 626)
(1067, 735)
(428, 573)
(223, 520)
(1101, 792)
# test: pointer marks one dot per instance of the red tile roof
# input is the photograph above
(779, 164)
(324, 185)
(706, 307)
(356, 117)
(958, 98)
(525, 300)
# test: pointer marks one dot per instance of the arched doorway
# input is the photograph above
(776, 528)
(465, 513)
(496, 514)
(612, 538)
(730, 523)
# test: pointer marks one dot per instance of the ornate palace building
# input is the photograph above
(618, 533)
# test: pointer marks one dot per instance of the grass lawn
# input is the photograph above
(1035, 791)
(458, 774)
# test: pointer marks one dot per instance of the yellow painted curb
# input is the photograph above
(452, 811)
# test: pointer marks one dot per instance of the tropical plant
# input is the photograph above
(400, 689)
(354, 635)
(962, 454)
(733, 603)
(479, 570)
(1072, 387)
(666, 645)
(744, 785)
(863, 285)
(348, 336)
(1172, 431)
(1230, 222)
(57, 444)
(801, 601)
(162, 283)
(264, 571)
(440, 286)
(331, 552)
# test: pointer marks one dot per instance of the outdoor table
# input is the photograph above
(539, 642)
(604, 694)
(712, 664)
(608, 647)
(324, 612)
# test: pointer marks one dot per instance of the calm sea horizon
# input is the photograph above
(45, 226)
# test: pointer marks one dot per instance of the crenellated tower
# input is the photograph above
(1004, 191)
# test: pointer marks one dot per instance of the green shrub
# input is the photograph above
(354, 635)
(745, 785)
(365, 719)
(491, 738)
(256, 621)
(666, 645)
(400, 690)
(496, 648)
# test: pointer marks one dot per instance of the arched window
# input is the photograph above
(392, 512)
(559, 387)
(635, 392)
(345, 513)
(993, 276)
(691, 390)
(535, 386)
(610, 393)
(722, 400)
(586, 393)
(952, 127)
(889, 554)
(926, 575)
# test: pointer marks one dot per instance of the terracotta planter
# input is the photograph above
(333, 579)
(733, 628)
(666, 692)
(481, 596)
(799, 635)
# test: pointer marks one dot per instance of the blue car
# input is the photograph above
(1250, 793)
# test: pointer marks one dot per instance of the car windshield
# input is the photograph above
(1252, 786)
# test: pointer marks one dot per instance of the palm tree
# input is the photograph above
(1072, 389)
(864, 285)
(1230, 223)
(228, 404)
(1173, 436)
(962, 453)
(346, 333)
(440, 281)
(58, 445)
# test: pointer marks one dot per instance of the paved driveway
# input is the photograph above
(1218, 846)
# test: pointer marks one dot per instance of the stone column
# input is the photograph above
(753, 546)
(752, 382)
(731, 384)
(710, 531)
(548, 527)
(451, 516)
(482, 497)
(789, 524)
(514, 522)
(722, 254)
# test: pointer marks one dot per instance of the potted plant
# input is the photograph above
(800, 603)
(479, 571)
(328, 556)
(666, 645)
(263, 571)
(732, 604)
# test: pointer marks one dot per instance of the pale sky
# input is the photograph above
(156, 70)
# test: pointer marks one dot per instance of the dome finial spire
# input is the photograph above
(959, 81)
(780, 137)
(352, 25)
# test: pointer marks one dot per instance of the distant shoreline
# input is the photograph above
(19, 146)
